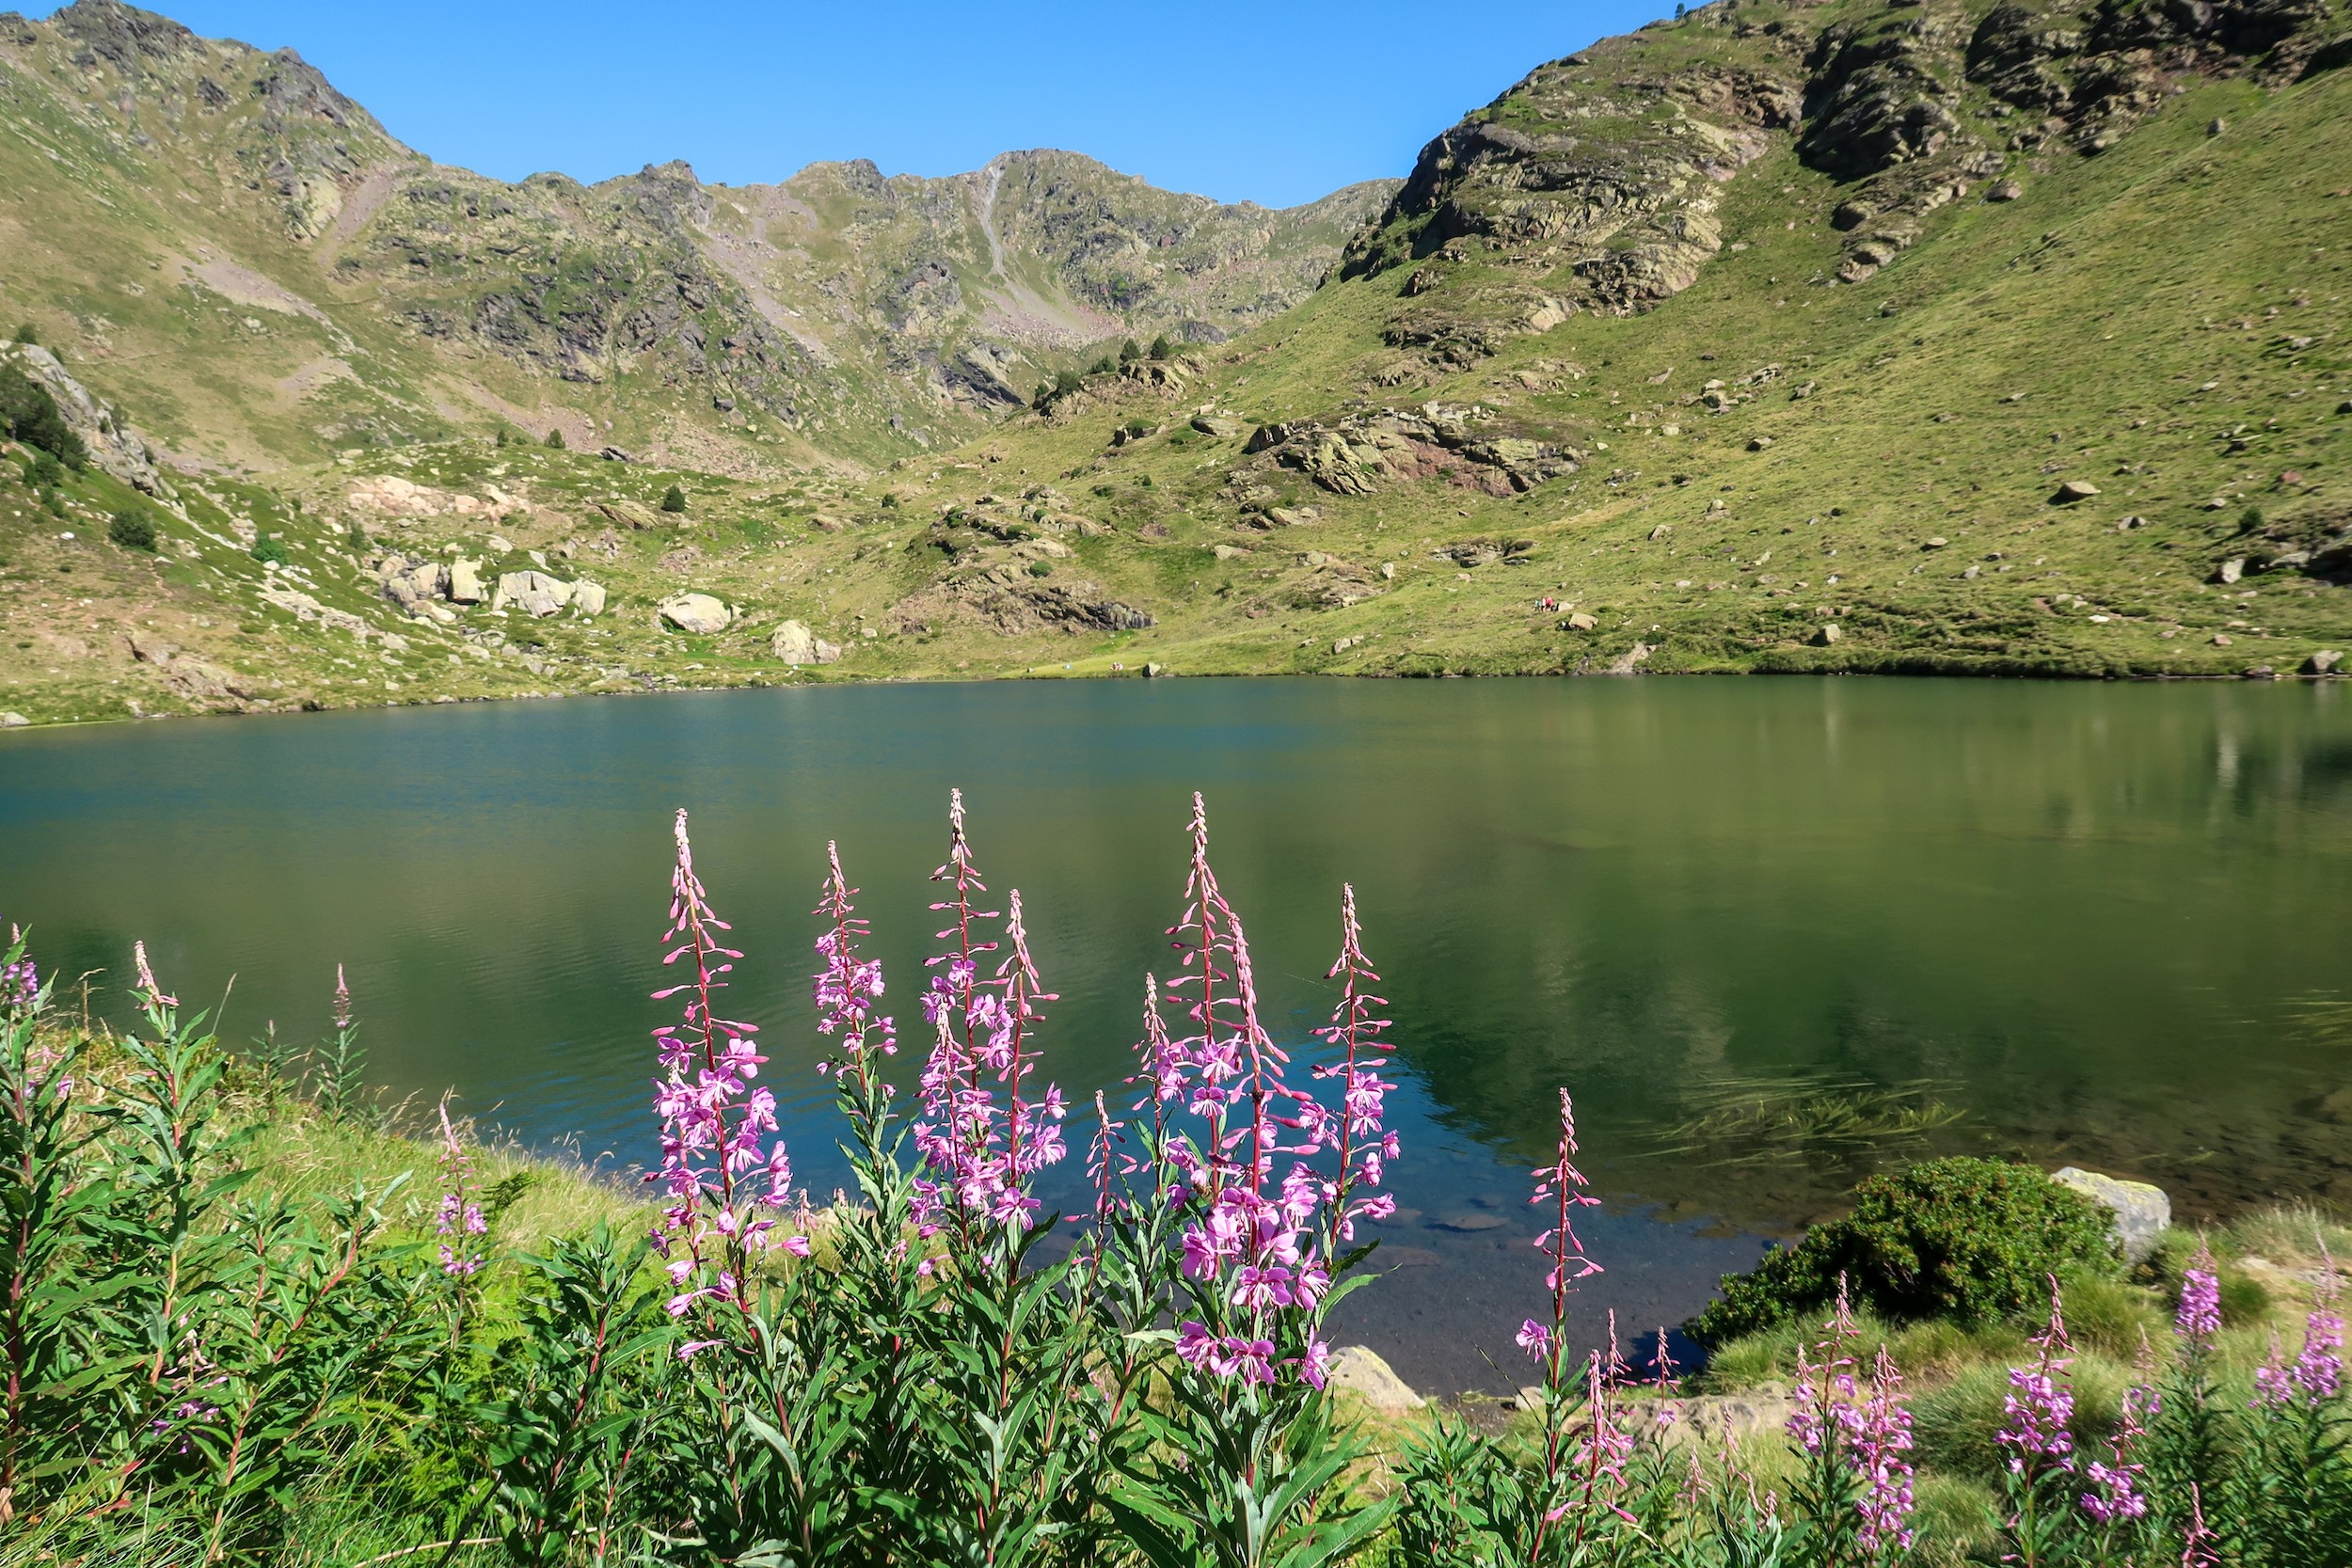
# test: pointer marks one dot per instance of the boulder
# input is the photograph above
(632, 513)
(532, 592)
(14, 720)
(2230, 570)
(796, 644)
(587, 597)
(2005, 190)
(464, 582)
(615, 455)
(2324, 662)
(697, 612)
(1578, 622)
(2141, 1212)
(2075, 490)
(1223, 426)
(1362, 1373)
(1823, 636)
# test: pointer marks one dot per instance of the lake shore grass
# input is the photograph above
(301, 1154)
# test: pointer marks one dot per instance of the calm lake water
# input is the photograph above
(1770, 932)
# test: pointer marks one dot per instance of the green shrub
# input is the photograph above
(1041, 569)
(132, 531)
(555, 439)
(46, 472)
(1067, 382)
(1969, 1239)
(1128, 353)
(1137, 427)
(1160, 349)
(355, 535)
(1102, 366)
(269, 548)
(29, 414)
(674, 499)
(26, 336)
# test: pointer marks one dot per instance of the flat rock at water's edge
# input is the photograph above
(2142, 1213)
(1361, 1371)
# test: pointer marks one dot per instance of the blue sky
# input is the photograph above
(1273, 102)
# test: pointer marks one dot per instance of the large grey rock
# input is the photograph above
(532, 592)
(588, 597)
(464, 582)
(796, 644)
(2141, 1212)
(697, 612)
(14, 720)
(1361, 1371)
(2324, 662)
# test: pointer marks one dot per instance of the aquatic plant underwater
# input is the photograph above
(909, 1377)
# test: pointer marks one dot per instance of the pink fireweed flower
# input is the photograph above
(1562, 1186)
(1884, 1437)
(151, 994)
(1831, 1414)
(2201, 1548)
(459, 1216)
(2199, 1317)
(716, 1167)
(2318, 1370)
(19, 984)
(2039, 1406)
(980, 1154)
(343, 1013)
(849, 988)
(1354, 1133)
(1260, 1219)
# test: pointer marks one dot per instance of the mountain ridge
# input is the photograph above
(823, 317)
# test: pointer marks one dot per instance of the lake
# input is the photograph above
(1772, 933)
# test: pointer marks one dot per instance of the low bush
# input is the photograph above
(132, 531)
(674, 499)
(1967, 1239)
(30, 415)
(268, 547)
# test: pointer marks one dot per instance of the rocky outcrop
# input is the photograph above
(1358, 454)
(1593, 184)
(105, 436)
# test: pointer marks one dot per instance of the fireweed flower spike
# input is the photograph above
(2039, 1407)
(151, 994)
(2199, 1317)
(981, 1154)
(460, 1218)
(849, 986)
(1886, 1498)
(1562, 1186)
(1353, 1131)
(714, 1172)
(2318, 1370)
(1255, 1250)
(19, 985)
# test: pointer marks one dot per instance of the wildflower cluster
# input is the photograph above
(981, 1152)
(716, 1170)
(1255, 1247)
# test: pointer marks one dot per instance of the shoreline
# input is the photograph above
(1954, 671)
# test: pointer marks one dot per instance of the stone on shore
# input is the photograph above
(2141, 1212)
(796, 644)
(697, 612)
(1361, 1371)
(532, 592)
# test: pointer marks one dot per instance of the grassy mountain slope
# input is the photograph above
(248, 262)
(1718, 335)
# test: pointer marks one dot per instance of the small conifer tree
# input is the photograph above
(1160, 347)
(132, 531)
(555, 439)
(1128, 353)
(674, 499)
